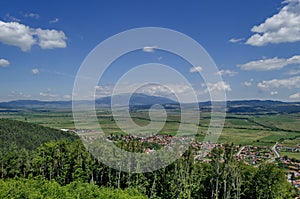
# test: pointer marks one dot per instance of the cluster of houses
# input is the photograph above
(255, 154)
(252, 155)
(162, 140)
(281, 147)
(202, 150)
(292, 165)
(293, 171)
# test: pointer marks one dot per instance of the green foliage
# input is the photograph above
(65, 169)
(270, 183)
(40, 188)
(17, 134)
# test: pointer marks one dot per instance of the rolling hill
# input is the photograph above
(26, 135)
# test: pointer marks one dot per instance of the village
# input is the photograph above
(251, 155)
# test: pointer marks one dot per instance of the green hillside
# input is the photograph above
(26, 135)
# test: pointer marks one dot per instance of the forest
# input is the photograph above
(59, 166)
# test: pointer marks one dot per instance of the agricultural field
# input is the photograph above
(285, 121)
(261, 130)
(291, 155)
(51, 118)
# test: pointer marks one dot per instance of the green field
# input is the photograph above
(291, 155)
(285, 121)
(259, 130)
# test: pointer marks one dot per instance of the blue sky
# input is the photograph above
(255, 44)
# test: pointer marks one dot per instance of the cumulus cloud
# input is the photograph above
(293, 82)
(227, 72)
(170, 90)
(196, 69)
(18, 95)
(35, 71)
(149, 49)
(47, 95)
(274, 92)
(295, 96)
(24, 37)
(217, 87)
(247, 84)
(150, 89)
(4, 63)
(16, 34)
(270, 64)
(165, 90)
(236, 40)
(279, 28)
(49, 39)
(102, 91)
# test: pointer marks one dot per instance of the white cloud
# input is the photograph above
(11, 18)
(274, 92)
(270, 64)
(55, 20)
(217, 87)
(149, 49)
(24, 37)
(102, 91)
(236, 40)
(35, 71)
(295, 96)
(293, 82)
(196, 69)
(18, 95)
(16, 34)
(281, 27)
(4, 63)
(227, 72)
(49, 39)
(247, 84)
(48, 95)
(150, 89)
(32, 15)
(166, 90)
(169, 90)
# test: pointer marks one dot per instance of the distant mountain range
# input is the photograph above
(140, 101)
(137, 99)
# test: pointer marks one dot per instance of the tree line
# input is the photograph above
(65, 162)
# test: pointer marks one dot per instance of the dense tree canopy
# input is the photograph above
(63, 168)
(18, 134)
(40, 188)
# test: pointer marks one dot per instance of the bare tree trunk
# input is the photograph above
(225, 191)
(153, 185)
(217, 188)
(212, 191)
(119, 177)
